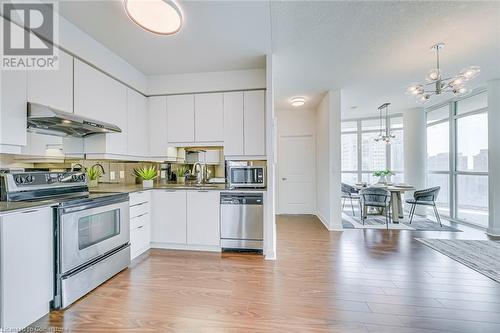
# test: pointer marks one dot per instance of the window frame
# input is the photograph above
(359, 132)
(452, 172)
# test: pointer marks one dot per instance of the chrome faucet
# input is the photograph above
(100, 166)
(79, 166)
(199, 170)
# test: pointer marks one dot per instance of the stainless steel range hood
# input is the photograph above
(46, 120)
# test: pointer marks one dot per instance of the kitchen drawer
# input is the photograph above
(139, 197)
(139, 241)
(140, 221)
(139, 209)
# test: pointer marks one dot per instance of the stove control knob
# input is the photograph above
(29, 179)
(19, 180)
(74, 178)
(82, 177)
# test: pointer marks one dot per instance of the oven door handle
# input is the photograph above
(93, 204)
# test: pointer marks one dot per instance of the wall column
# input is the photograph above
(334, 118)
(415, 150)
(494, 157)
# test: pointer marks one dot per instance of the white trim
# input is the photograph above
(188, 247)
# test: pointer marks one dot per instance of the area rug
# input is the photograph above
(482, 256)
(419, 223)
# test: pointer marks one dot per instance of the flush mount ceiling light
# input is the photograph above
(162, 17)
(298, 101)
(439, 83)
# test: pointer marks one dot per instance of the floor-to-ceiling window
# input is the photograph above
(362, 155)
(457, 157)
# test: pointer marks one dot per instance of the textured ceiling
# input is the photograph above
(369, 49)
(372, 50)
(216, 36)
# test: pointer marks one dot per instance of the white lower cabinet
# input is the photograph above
(140, 223)
(168, 217)
(26, 267)
(185, 219)
(203, 212)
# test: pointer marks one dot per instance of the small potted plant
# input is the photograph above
(93, 175)
(384, 176)
(147, 174)
(181, 174)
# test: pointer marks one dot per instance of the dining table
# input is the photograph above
(396, 197)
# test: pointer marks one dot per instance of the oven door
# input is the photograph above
(246, 177)
(87, 232)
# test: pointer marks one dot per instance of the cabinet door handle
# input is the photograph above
(139, 227)
(139, 216)
(140, 204)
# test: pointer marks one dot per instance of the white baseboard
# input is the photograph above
(187, 247)
(328, 227)
(318, 215)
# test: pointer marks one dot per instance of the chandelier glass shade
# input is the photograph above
(437, 83)
(385, 134)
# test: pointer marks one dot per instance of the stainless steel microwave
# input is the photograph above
(246, 176)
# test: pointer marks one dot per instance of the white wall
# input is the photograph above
(415, 146)
(296, 122)
(328, 162)
(206, 82)
(494, 157)
(271, 134)
(322, 162)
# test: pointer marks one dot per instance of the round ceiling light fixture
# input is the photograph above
(298, 101)
(162, 17)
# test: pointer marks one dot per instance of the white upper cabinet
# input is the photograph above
(254, 123)
(209, 117)
(53, 88)
(138, 118)
(100, 97)
(180, 118)
(13, 108)
(233, 123)
(158, 138)
(203, 215)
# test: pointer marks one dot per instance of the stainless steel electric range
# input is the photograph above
(91, 231)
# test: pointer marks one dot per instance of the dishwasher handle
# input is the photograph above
(241, 199)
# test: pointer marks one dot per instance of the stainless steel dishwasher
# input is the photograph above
(242, 221)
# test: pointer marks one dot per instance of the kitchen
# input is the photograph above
(197, 166)
(57, 125)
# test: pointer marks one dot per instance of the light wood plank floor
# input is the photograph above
(351, 281)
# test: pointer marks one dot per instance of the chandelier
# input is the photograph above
(384, 135)
(437, 83)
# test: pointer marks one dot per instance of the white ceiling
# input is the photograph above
(370, 49)
(216, 36)
(373, 50)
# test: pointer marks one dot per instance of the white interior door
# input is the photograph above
(296, 174)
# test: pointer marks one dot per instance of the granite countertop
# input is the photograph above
(129, 188)
(12, 206)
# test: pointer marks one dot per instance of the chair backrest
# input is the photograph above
(348, 189)
(374, 194)
(429, 194)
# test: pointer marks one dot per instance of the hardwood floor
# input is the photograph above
(351, 281)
